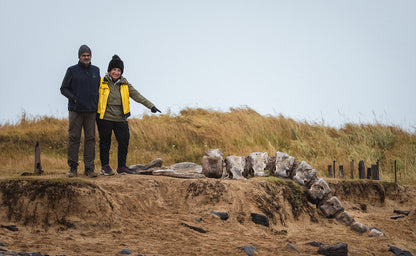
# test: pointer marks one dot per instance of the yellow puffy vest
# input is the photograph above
(103, 93)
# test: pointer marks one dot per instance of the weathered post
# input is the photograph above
(374, 172)
(341, 171)
(352, 168)
(330, 171)
(361, 169)
(369, 173)
(38, 166)
(395, 171)
(333, 167)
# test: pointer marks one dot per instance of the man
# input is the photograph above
(80, 86)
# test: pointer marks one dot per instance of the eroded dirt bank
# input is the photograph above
(145, 214)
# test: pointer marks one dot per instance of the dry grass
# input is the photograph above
(186, 137)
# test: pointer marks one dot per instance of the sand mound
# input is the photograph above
(146, 214)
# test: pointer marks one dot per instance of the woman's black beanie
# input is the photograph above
(116, 62)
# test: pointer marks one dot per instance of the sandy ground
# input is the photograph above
(146, 214)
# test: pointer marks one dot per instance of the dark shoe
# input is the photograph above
(106, 170)
(90, 173)
(125, 170)
(72, 172)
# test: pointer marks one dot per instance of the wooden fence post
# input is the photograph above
(352, 169)
(330, 171)
(361, 170)
(395, 171)
(333, 167)
(341, 171)
(368, 173)
(374, 172)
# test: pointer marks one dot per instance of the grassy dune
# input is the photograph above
(186, 136)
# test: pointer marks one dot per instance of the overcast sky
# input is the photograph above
(325, 61)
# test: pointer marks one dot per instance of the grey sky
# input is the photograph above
(325, 61)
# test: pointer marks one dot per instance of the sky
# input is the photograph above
(329, 62)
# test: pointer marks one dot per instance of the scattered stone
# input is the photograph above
(250, 250)
(304, 173)
(399, 252)
(339, 249)
(316, 244)
(374, 232)
(222, 215)
(212, 164)
(200, 230)
(345, 218)
(199, 219)
(359, 227)
(125, 251)
(290, 246)
(1, 244)
(318, 191)
(402, 212)
(260, 219)
(10, 227)
(258, 162)
(235, 166)
(284, 164)
(331, 207)
(397, 217)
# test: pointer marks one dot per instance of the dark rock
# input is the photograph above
(250, 250)
(10, 227)
(316, 244)
(1, 244)
(222, 215)
(200, 230)
(397, 217)
(401, 212)
(260, 219)
(290, 246)
(339, 249)
(199, 219)
(399, 252)
(125, 251)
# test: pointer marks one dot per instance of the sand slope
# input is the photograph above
(145, 214)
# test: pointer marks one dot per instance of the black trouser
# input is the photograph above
(122, 133)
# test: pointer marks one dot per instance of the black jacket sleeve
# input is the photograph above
(66, 86)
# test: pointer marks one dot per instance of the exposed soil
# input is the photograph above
(149, 215)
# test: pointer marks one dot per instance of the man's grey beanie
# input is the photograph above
(83, 48)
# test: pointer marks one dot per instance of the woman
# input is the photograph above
(113, 111)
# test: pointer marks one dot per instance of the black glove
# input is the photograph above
(154, 109)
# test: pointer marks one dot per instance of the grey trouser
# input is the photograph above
(77, 121)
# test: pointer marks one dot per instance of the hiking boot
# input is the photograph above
(125, 170)
(106, 170)
(72, 172)
(90, 173)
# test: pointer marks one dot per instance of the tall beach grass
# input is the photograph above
(185, 137)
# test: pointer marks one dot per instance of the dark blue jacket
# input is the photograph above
(80, 86)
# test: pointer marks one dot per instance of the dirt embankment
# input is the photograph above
(146, 214)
